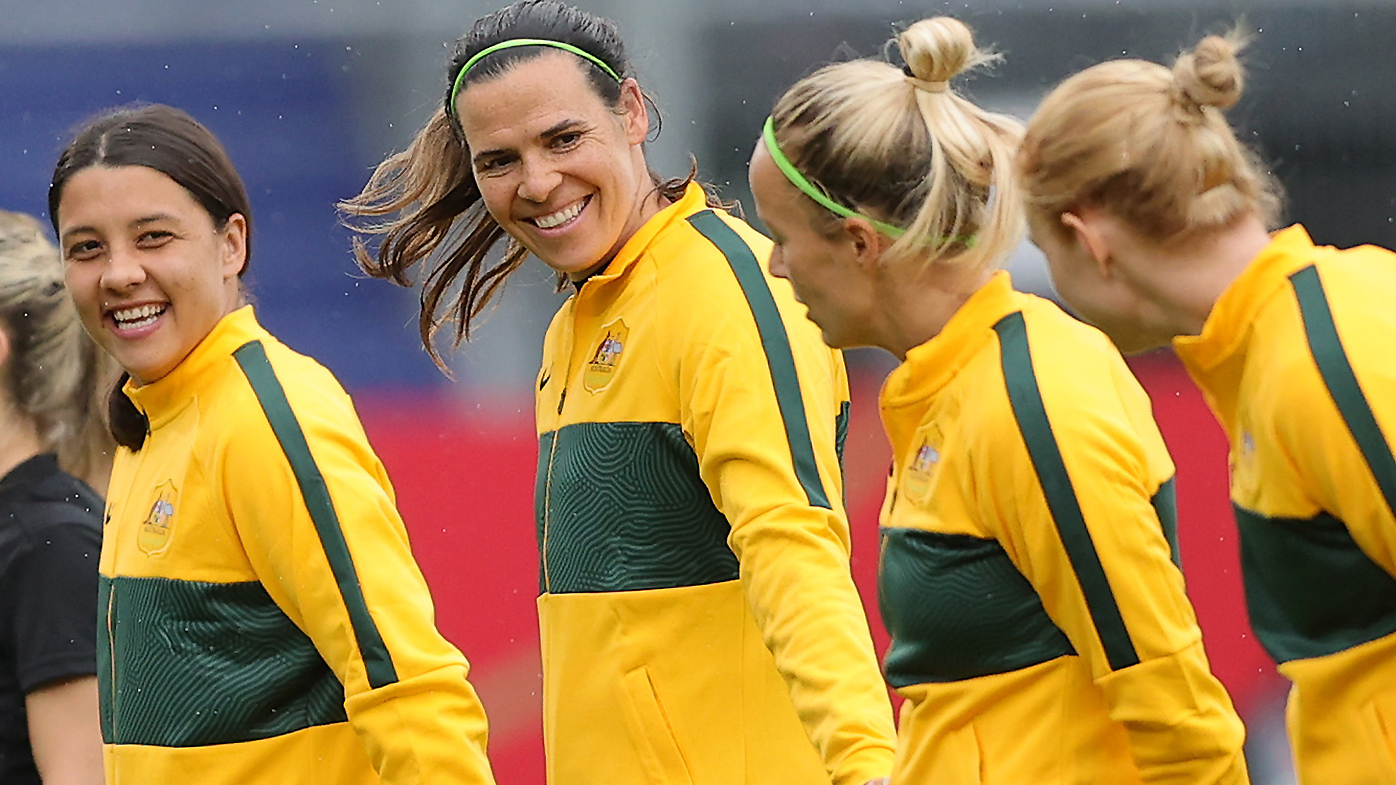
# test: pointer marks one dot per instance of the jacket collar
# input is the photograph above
(932, 365)
(165, 397)
(1227, 328)
(693, 201)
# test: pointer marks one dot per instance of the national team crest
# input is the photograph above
(1245, 470)
(916, 477)
(605, 359)
(154, 536)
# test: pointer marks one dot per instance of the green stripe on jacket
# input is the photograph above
(777, 346)
(252, 358)
(1310, 590)
(1031, 414)
(1342, 384)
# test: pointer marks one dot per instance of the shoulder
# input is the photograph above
(53, 503)
(276, 391)
(706, 249)
(268, 365)
(714, 270)
(61, 536)
(1337, 326)
(1057, 366)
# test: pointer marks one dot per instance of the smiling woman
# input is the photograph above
(136, 243)
(261, 615)
(699, 622)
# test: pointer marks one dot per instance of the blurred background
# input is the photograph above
(308, 95)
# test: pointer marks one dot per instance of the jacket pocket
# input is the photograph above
(951, 757)
(649, 728)
(1380, 718)
(969, 766)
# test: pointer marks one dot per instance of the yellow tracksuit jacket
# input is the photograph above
(1296, 361)
(262, 619)
(699, 622)
(1040, 630)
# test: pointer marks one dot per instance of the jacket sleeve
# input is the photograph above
(761, 398)
(318, 520)
(1077, 467)
(1338, 452)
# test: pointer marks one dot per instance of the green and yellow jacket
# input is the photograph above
(1029, 578)
(1296, 361)
(699, 622)
(262, 619)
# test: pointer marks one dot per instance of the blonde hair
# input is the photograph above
(1149, 145)
(55, 374)
(902, 146)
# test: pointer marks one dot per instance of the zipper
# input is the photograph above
(548, 510)
(116, 531)
(111, 648)
(569, 350)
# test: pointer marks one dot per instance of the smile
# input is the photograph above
(562, 217)
(137, 317)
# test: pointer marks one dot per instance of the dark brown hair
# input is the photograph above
(171, 142)
(420, 193)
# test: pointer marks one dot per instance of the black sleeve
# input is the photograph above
(51, 592)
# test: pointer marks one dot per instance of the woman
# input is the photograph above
(1040, 631)
(51, 440)
(699, 622)
(1154, 219)
(261, 616)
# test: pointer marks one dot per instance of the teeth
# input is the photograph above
(138, 317)
(560, 217)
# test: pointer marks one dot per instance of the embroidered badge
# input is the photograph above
(154, 536)
(1245, 472)
(920, 470)
(606, 358)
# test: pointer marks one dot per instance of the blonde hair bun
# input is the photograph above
(1211, 74)
(939, 48)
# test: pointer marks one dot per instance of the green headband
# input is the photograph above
(815, 192)
(513, 42)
